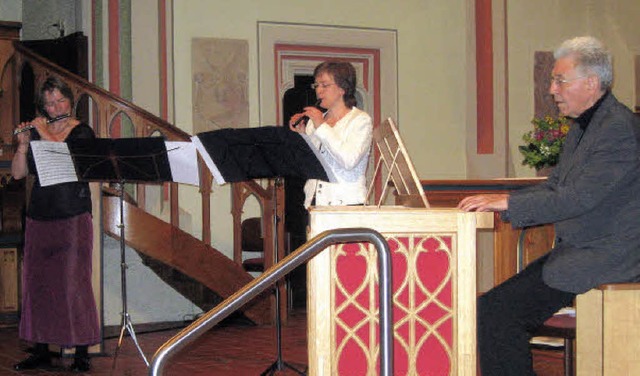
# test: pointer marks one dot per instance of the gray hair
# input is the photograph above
(590, 56)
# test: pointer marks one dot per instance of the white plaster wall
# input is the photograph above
(544, 24)
(149, 299)
(145, 68)
(39, 16)
(11, 10)
(433, 58)
(432, 61)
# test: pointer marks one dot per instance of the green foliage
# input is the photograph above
(544, 143)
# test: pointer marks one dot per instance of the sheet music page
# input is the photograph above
(183, 160)
(53, 162)
(217, 176)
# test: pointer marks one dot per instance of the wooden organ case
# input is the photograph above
(434, 281)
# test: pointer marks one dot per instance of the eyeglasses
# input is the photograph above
(322, 85)
(561, 81)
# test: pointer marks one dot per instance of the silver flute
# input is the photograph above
(31, 126)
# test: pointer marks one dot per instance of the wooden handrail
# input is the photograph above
(107, 107)
(82, 86)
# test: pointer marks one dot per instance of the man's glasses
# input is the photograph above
(561, 81)
(322, 85)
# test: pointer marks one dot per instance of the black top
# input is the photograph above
(584, 118)
(64, 200)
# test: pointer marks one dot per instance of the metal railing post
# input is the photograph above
(277, 272)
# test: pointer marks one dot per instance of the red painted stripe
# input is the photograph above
(162, 25)
(114, 55)
(164, 100)
(484, 77)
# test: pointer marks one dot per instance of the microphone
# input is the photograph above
(306, 118)
(31, 126)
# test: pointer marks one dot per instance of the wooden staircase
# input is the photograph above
(159, 240)
(152, 237)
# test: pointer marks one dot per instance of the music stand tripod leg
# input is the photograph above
(126, 319)
(279, 364)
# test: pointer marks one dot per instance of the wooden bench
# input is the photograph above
(608, 330)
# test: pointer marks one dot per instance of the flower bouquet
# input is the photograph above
(544, 143)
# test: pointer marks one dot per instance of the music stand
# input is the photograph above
(235, 155)
(126, 160)
(399, 168)
(279, 364)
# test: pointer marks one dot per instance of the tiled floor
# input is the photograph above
(229, 350)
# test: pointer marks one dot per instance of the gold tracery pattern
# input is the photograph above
(422, 305)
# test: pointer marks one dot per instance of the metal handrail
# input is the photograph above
(277, 272)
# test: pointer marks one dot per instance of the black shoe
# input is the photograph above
(33, 362)
(80, 365)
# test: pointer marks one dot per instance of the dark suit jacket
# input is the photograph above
(593, 198)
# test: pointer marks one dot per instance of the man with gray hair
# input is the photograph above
(592, 199)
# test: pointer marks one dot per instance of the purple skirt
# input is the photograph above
(58, 306)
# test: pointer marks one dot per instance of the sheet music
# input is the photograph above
(53, 162)
(217, 176)
(183, 161)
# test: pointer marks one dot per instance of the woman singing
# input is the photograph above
(58, 306)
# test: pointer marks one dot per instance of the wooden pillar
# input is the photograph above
(9, 100)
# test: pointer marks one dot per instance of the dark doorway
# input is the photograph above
(296, 216)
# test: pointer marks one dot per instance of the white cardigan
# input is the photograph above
(345, 149)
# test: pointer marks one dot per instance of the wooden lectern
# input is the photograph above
(434, 287)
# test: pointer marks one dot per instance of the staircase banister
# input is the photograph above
(271, 276)
(171, 130)
(252, 186)
(240, 191)
(109, 106)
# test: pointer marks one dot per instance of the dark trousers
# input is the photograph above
(509, 314)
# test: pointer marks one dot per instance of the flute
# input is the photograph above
(305, 118)
(31, 126)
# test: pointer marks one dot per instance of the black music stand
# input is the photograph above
(235, 155)
(121, 161)
(279, 364)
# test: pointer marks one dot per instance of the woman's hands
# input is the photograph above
(19, 163)
(25, 137)
(311, 112)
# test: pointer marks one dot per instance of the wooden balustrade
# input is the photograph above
(106, 114)
(271, 201)
(106, 108)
